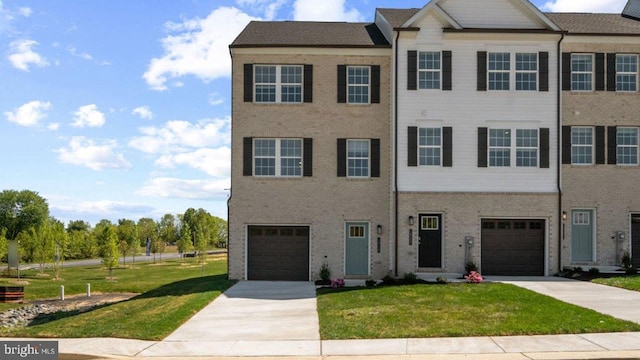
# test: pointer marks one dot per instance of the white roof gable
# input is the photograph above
(486, 14)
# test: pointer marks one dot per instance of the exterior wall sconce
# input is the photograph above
(379, 229)
(411, 220)
(564, 216)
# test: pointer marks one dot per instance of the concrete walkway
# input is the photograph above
(280, 319)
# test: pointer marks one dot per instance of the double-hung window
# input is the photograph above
(581, 72)
(627, 146)
(430, 146)
(525, 152)
(357, 158)
(527, 71)
(358, 84)
(277, 157)
(582, 145)
(499, 147)
(527, 148)
(626, 72)
(499, 71)
(429, 70)
(278, 83)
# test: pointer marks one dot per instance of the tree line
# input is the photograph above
(42, 239)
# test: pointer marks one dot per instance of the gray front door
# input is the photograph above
(357, 248)
(430, 241)
(582, 222)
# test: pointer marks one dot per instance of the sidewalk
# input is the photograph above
(272, 319)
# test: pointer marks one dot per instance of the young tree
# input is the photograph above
(61, 241)
(45, 247)
(4, 244)
(168, 232)
(201, 246)
(184, 243)
(109, 251)
(148, 230)
(128, 235)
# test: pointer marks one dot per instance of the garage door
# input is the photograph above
(278, 253)
(513, 247)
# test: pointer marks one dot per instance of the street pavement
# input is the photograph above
(266, 320)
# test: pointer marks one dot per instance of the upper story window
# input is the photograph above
(278, 83)
(429, 70)
(277, 157)
(627, 145)
(358, 85)
(581, 72)
(527, 71)
(499, 71)
(626, 72)
(430, 146)
(582, 145)
(501, 149)
(502, 73)
(357, 158)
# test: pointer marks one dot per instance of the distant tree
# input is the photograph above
(99, 233)
(168, 232)
(27, 244)
(21, 211)
(148, 229)
(78, 225)
(110, 254)
(128, 236)
(4, 244)
(184, 243)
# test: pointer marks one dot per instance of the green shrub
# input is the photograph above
(442, 280)
(470, 266)
(594, 271)
(410, 278)
(370, 283)
(325, 272)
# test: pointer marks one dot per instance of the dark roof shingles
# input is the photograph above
(606, 24)
(397, 17)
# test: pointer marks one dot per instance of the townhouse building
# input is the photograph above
(479, 131)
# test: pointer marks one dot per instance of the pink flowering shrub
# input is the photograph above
(474, 277)
(337, 283)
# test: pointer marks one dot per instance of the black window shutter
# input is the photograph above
(342, 157)
(342, 84)
(247, 156)
(612, 145)
(566, 144)
(544, 148)
(482, 71)
(412, 148)
(308, 83)
(482, 146)
(248, 82)
(412, 70)
(611, 72)
(447, 146)
(600, 145)
(599, 71)
(566, 71)
(447, 83)
(307, 160)
(375, 157)
(375, 84)
(543, 58)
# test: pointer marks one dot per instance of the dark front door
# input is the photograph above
(430, 241)
(635, 240)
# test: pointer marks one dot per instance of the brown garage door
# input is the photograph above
(278, 253)
(513, 247)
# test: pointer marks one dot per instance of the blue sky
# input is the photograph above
(121, 108)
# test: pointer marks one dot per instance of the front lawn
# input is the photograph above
(487, 309)
(625, 282)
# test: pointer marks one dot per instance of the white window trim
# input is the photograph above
(592, 72)
(513, 149)
(439, 71)
(618, 146)
(592, 146)
(509, 72)
(516, 71)
(368, 85)
(357, 158)
(278, 157)
(278, 84)
(635, 74)
(430, 146)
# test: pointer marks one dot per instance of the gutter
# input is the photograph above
(559, 153)
(395, 152)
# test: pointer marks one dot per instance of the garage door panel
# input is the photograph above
(278, 253)
(512, 247)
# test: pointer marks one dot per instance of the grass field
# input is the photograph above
(170, 293)
(625, 282)
(452, 310)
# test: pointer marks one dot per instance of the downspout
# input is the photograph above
(230, 190)
(559, 155)
(395, 153)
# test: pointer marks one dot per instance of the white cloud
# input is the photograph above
(88, 115)
(86, 152)
(73, 51)
(25, 11)
(201, 189)
(143, 111)
(595, 6)
(21, 55)
(197, 47)
(269, 8)
(326, 10)
(214, 162)
(215, 99)
(29, 114)
(179, 135)
(53, 126)
(68, 208)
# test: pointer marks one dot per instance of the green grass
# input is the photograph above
(170, 293)
(488, 309)
(625, 282)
